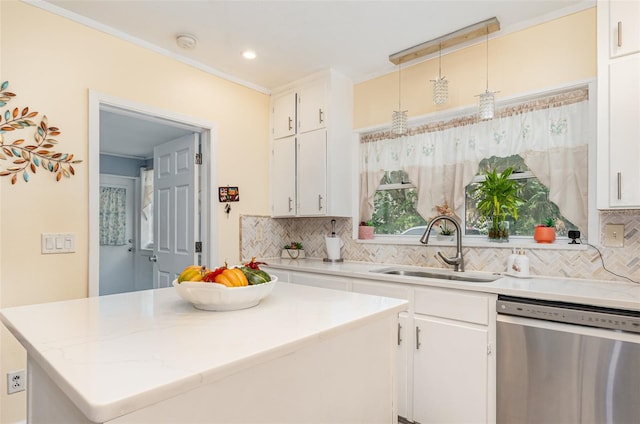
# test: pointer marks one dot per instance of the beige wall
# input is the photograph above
(51, 63)
(546, 55)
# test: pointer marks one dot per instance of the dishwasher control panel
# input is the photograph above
(571, 313)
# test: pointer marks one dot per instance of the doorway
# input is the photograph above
(137, 129)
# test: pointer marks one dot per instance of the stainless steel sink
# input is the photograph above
(469, 277)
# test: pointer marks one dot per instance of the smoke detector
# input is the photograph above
(186, 41)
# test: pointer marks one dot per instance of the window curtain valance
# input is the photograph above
(441, 159)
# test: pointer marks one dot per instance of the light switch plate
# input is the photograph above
(58, 243)
(614, 235)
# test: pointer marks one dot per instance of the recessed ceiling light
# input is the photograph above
(249, 54)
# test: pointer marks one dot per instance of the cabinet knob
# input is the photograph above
(399, 335)
(417, 338)
(290, 204)
(290, 124)
(320, 202)
(320, 116)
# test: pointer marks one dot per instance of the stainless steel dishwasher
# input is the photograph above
(566, 363)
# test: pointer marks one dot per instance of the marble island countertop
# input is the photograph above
(622, 295)
(89, 347)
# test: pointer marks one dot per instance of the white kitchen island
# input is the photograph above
(303, 355)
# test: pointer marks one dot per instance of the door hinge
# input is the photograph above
(198, 247)
(198, 158)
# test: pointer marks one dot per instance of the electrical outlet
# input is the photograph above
(16, 381)
(614, 235)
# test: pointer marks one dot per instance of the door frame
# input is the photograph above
(209, 146)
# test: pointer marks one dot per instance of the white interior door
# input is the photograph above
(117, 261)
(175, 211)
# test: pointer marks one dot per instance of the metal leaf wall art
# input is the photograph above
(25, 157)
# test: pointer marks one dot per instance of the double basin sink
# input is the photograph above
(467, 277)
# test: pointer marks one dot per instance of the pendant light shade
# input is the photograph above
(486, 105)
(440, 85)
(399, 117)
(486, 100)
(399, 122)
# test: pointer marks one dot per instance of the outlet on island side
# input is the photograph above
(16, 381)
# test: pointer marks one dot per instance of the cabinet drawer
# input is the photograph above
(461, 306)
(381, 289)
(318, 280)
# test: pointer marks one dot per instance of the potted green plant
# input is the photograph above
(497, 197)
(293, 250)
(365, 230)
(545, 233)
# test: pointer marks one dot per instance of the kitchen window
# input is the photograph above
(537, 206)
(403, 180)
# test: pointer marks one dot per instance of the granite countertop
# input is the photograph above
(90, 346)
(622, 295)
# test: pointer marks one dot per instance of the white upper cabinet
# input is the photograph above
(283, 110)
(283, 177)
(618, 104)
(312, 109)
(312, 173)
(624, 132)
(624, 27)
(322, 127)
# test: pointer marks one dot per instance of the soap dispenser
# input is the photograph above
(521, 264)
(511, 260)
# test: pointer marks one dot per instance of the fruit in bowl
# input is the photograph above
(224, 288)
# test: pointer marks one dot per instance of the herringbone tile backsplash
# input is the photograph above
(276, 233)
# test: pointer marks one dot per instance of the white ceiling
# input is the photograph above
(296, 38)
(291, 38)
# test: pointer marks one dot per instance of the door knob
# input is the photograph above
(153, 258)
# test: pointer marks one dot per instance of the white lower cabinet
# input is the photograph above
(446, 362)
(404, 337)
(450, 371)
(453, 359)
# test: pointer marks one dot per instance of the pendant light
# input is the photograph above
(399, 117)
(486, 101)
(440, 85)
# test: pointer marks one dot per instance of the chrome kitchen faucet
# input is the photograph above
(458, 260)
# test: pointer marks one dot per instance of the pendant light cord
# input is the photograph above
(399, 88)
(440, 61)
(487, 89)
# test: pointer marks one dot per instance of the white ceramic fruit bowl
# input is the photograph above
(216, 297)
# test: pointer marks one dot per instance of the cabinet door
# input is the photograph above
(283, 177)
(312, 110)
(450, 375)
(404, 347)
(283, 109)
(624, 27)
(312, 173)
(404, 335)
(624, 132)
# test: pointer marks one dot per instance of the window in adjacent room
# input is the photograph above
(146, 209)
